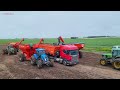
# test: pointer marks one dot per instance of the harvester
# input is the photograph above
(27, 50)
(12, 48)
(112, 58)
(67, 54)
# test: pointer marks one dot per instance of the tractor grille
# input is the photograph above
(75, 57)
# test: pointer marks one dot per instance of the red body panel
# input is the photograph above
(16, 45)
(80, 46)
(27, 50)
(67, 47)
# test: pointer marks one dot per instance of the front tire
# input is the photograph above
(65, 62)
(33, 60)
(103, 62)
(39, 64)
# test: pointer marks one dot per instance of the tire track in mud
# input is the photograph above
(25, 69)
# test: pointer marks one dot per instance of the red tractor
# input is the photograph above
(12, 48)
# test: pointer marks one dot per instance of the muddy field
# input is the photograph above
(88, 68)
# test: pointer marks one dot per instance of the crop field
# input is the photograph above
(91, 44)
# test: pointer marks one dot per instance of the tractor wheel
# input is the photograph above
(22, 58)
(116, 64)
(103, 62)
(9, 52)
(33, 60)
(15, 51)
(64, 62)
(4, 51)
(39, 64)
(80, 54)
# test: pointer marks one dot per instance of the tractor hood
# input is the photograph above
(108, 55)
(44, 57)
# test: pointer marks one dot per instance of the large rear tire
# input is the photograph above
(116, 64)
(39, 64)
(103, 62)
(9, 52)
(15, 51)
(33, 60)
(4, 52)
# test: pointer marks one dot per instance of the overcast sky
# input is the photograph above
(37, 24)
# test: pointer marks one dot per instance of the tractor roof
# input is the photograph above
(116, 47)
(69, 47)
(40, 49)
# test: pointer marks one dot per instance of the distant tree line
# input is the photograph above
(96, 36)
(74, 37)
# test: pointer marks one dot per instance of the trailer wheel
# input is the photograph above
(103, 62)
(64, 62)
(39, 64)
(33, 60)
(22, 58)
(116, 64)
(80, 54)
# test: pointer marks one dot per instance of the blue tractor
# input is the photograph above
(41, 58)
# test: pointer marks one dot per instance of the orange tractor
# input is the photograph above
(12, 48)
(68, 54)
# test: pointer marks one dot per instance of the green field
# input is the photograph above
(92, 45)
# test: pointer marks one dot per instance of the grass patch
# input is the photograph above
(92, 45)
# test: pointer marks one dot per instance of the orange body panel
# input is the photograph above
(80, 46)
(51, 49)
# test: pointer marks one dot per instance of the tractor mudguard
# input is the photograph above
(36, 56)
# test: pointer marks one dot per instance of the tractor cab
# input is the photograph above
(116, 51)
(40, 51)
